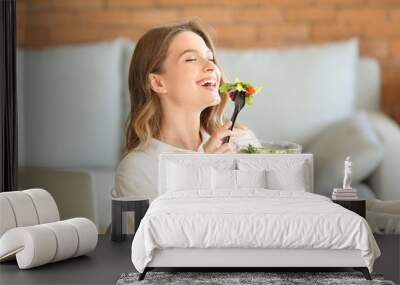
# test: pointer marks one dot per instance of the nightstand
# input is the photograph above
(357, 206)
(120, 208)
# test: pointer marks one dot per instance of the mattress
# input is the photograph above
(254, 218)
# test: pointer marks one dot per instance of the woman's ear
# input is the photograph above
(157, 83)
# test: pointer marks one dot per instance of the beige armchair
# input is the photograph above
(77, 192)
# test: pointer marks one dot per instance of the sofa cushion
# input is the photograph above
(73, 99)
(304, 89)
(364, 191)
(352, 137)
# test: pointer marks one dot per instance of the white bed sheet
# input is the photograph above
(250, 218)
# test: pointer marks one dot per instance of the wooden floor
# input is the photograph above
(389, 262)
(102, 266)
(106, 264)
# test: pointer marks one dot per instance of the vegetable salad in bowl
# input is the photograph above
(271, 147)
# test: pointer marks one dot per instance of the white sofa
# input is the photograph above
(73, 102)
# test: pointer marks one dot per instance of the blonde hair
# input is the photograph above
(144, 120)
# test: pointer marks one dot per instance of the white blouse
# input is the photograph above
(137, 172)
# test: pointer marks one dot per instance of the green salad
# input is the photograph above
(252, 149)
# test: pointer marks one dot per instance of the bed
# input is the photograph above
(247, 211)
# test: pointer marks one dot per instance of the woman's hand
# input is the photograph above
(215, 143)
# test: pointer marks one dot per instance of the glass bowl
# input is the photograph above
(271, 147)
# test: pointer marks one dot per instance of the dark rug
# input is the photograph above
(229, 278)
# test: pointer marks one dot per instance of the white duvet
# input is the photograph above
(251, 218)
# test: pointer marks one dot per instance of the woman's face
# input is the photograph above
(190, 77)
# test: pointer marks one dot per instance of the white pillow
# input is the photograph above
(237, 179)
(251, 178)
(354, 137)
(224, 178)
(282, 174)
(183, 177)
(292, 177)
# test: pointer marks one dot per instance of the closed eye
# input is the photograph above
(193, 59)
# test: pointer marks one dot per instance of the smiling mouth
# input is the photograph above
(210, 87)
(209, 84)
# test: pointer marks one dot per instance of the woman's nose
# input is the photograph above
(209, 65)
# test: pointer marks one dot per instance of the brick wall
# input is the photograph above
(236, 23)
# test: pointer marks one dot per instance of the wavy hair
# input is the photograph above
(144, 120)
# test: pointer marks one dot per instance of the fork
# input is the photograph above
(239, 104)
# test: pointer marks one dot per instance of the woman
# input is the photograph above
(175, 105)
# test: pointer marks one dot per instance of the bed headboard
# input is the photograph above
(277, 162)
